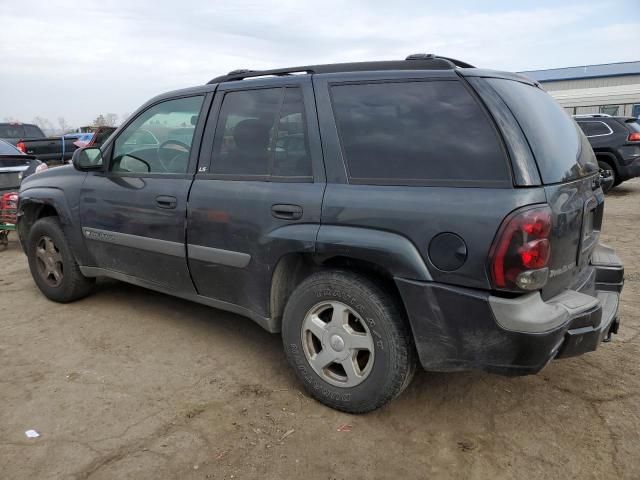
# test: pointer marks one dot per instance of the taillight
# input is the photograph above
(521, 250)
(634, 137)
(22, 147)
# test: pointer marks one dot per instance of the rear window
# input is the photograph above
(633, 125)
(430, 132)
(561, 150)
(11, 131)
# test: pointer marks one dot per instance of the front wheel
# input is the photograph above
(348, 341)
(53, 267)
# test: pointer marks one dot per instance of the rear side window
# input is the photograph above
(262, 133)
(430, 132)
(561, 150)
(592, 129)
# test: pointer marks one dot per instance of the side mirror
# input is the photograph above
(89, 158)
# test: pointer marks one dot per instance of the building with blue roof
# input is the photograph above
(611, 88)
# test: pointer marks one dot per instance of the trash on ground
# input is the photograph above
(32, 434)
(288, 432)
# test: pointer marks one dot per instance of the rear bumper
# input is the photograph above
(458, 329)
(631, 170)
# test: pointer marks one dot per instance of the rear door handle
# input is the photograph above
(166, 201)
(287, 212)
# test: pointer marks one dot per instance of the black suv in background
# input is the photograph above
(616, 143)
(376, 214)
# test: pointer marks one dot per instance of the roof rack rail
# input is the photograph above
(591, 115)
(418, 61)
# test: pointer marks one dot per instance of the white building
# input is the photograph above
(612, 88)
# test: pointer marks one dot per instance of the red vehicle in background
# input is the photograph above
(14, 166)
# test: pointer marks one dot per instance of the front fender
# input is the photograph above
(37, 202)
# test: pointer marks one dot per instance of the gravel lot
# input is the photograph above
(132, 384)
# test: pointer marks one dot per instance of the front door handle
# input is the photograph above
(166, 201)
(287, 212)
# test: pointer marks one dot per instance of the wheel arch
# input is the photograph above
(293, 269)
(40, 202)
(608, 157)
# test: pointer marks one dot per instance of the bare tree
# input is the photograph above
(106, 120)
(111, 119)
(99, 121)
(64, 126)
(45, 125)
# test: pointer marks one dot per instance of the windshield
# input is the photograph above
(561, 150)
(8, 149)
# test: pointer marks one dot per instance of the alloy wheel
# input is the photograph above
(338, 344)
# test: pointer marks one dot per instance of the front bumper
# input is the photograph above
(459, 329)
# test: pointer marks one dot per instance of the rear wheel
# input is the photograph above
(606, 166)
(348, 341)
(53, 267)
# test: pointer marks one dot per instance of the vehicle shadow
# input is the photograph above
(620, 191)
(238, 344)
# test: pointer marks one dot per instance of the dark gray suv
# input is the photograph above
(377, 214)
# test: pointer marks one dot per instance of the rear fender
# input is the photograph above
(392, 252)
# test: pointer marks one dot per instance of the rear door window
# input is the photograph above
(561, 150)
(262, 133)
(417, 132)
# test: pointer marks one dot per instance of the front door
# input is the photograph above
(133, 214)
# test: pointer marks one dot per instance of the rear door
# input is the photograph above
(569, 172)
(258, 191)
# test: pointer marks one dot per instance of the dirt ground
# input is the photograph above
(132, 384)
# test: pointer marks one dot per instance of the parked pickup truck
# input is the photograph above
(29, 139)
(376, 214)
(51, 150)
(58, 150)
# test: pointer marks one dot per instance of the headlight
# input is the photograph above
(41, 168)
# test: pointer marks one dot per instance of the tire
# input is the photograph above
(48, 251)
(384, 371)
(607, 166)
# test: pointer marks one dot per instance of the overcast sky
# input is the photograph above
(78, 59)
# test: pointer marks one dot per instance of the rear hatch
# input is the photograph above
(569, 173)
(11, 171)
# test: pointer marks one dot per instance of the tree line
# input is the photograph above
(63, 126)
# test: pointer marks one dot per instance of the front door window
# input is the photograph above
(159, 140)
